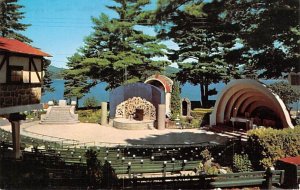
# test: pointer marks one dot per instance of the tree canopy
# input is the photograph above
(10, 17)
(203, 40)
(286, 92)
(270, 34)
(116, 52)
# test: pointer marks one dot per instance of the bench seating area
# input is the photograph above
(262, 179)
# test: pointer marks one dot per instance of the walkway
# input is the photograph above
(97, 134)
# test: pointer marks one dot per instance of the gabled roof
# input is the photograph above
(15, 46)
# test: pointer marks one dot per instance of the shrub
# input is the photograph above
(206, 155)
(241, 163)
(265, 146)
(90, 102)
(89, 116)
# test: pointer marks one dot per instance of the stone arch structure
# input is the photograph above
(241, 98)
(164, 83)
(145, 92)
(185, 107)
(128, 107)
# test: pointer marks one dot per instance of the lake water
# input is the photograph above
(187, 91)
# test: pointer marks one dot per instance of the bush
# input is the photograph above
(202, 115)
(241, 163)
(265, 146)
(89, 116)
(90, 102)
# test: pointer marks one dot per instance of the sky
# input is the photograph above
(59, 27)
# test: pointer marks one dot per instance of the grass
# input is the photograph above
(89, 116)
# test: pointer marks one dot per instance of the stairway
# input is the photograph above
(59, 115)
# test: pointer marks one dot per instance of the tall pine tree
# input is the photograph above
(270, 33)
(76, 81)
(203, 39)
(10, 17)
(116, 52)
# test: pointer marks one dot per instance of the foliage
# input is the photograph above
(241, 163)
(269, 41)
(206, 155)
(266, 145)
(200, 112)
(10, 17)
(94, 170)
(90, 102)
(116, 52)
(202, 115)
(189, 122)
(76, 81)
(286, 92)
(47, 78)
(89, 116)
(203, 40)
(175, 100)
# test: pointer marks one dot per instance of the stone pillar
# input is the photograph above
(168, 103)
(161, 116)
(103, 113)
(15, 128)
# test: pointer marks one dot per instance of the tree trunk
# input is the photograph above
(204, 95)
(206, 104)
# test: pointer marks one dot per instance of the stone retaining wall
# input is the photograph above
(19, 94)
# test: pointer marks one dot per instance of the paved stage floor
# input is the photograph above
(97, 134)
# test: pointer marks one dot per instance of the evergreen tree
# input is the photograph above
(269, 31)
(286, 92)
(10, 16)
(47, 78)
(175, 99)
(76, 81)
(203, 39)
(116, 52)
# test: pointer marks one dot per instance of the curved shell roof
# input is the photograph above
(245, 95)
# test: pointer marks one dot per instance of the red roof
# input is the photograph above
(15, 46)
(292, 160)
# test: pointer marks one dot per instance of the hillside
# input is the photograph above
(56, 73)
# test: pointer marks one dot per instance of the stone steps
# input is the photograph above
(60, 115)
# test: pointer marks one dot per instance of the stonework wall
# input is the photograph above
(19, 94)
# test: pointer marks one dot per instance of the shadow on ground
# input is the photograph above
(180, 138)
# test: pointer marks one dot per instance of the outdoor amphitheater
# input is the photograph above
(130, 158)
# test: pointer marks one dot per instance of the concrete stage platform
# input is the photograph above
(131, 124)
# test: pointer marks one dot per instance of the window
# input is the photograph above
(15, 74)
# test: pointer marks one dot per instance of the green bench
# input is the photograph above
(263, 179)
(244, 179)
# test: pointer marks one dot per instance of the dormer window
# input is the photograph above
(15, 74)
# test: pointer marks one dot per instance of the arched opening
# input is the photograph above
(264, 116)
(245, 101)
(184, 108)
(158, 84)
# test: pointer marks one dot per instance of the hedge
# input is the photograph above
(202, 115)
(266, 145)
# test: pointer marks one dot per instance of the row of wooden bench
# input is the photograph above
(265, 179)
